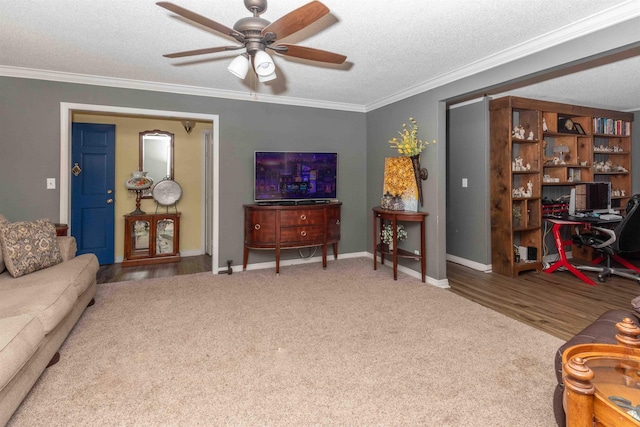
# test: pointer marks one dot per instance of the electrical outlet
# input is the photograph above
(465, 183)
(51, 183)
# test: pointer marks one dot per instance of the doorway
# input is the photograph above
(66, 113)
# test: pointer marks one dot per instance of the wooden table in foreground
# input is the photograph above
(602, 381)
(381, 215)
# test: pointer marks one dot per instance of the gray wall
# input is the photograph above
(468, 213)
(382, 125)
(30, 150)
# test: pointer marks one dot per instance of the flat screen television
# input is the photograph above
(287, 176)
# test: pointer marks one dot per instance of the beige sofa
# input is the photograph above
(37, 312)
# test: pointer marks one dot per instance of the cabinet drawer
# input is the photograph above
(302, 235)
(301, 217)
(260, 227)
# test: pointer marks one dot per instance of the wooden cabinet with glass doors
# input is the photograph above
(151, 239)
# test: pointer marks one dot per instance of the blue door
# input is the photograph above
(92, 189)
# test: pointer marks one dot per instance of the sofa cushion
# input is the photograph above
(29, 246)
(3, 220)
(20, 336)
(635, 303)
(68, 247)
(49, 301)
(80, 271)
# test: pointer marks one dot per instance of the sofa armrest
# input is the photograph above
(68, 247)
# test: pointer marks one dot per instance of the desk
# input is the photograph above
(395, 217)
(560, 244)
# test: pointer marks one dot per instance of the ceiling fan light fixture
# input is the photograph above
(263, 64)
(239, 66)
(268, 78)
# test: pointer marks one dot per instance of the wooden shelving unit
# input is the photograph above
(541, 149)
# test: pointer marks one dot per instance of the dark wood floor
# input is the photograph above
(187, 265)
(557, 303)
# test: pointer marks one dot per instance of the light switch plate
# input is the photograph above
(51, 183)
(465, 183)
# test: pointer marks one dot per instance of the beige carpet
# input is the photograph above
(343, 346)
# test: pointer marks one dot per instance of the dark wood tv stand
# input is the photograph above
(279, 227)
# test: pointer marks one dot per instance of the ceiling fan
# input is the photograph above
(256, 34)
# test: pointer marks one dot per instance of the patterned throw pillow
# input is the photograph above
(2, 221)
(29, 246)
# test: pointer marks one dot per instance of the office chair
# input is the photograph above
(625, 238)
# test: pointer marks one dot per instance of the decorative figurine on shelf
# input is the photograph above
(518, 132)
(516, 165)
(544, 125)
(520, 192)
(530, 138)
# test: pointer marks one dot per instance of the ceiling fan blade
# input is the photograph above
(309, 53)
(192, 16)
(201, 51)
(297, 19)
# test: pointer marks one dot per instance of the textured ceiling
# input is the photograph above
(390, 46)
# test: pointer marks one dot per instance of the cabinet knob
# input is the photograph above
(338, 222)
(109, 201)
(257, 226)
(303, 233)
(303, 217)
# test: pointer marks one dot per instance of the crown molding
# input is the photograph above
(608, 18)
(58, 76)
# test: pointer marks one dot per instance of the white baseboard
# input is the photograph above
(468, 263)
(272, 264)
(439, 283)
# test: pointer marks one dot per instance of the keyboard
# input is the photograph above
(610, 217)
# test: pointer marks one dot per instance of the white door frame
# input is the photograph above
(66, 117)
(207, 191)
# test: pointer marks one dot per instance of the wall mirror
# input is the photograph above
(156, 156)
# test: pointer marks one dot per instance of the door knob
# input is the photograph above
(109, 201)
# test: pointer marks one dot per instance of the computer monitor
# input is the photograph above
(591, 197)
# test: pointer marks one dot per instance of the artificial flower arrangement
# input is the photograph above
(387, 233)
(408, 144)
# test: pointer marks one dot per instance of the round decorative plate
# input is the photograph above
(167, 192)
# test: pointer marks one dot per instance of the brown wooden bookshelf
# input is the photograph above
(547, 148)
